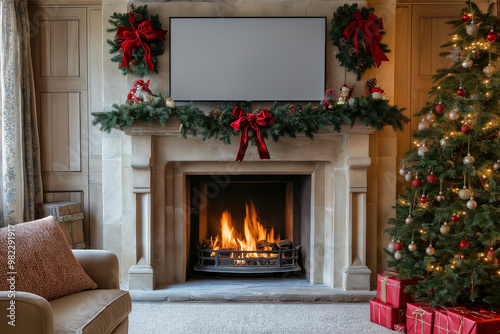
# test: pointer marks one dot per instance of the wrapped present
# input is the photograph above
(400, 328)
(440, 322)
(464, 321)
(390, 289)
(384, 314)
(419, 318)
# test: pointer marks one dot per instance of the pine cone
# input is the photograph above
(133, 62)
(153, 47)
(138, 18)
(215, 112)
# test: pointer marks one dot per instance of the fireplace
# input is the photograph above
(248, 224)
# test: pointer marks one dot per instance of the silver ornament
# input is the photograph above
(430, 250)
(412, 247)
(402, 171)
(424, 125)
(409, 220)
(430, 117)
(496, 166)
(471, 204)
(422, 150)
(469, 159)
(440, 197)
(467, 63)
(391, 246)
(444, 229)
(398, 255)
(464, 193)
(489, 70)
(408, 177)
(453, 115)
(472, 28)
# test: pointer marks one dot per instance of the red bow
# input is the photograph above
(370, 29)
(133, 39)
(245, 122)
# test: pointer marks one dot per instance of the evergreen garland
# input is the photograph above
(347, 53)
(289, 119)
(138, 64)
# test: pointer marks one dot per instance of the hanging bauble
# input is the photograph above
(398, 245)
(416, 182)
(430, 250)
(496, 166)
(402, 171)
(424, 125)
(465, 17)
(170, 103)
(431, 178)
(472, 28)
(454, 218)
(390, 246)
(412, 247)
(475, 51)
(469, 159)
(471, 204)
(464, 193)
(409, 220)
(489, 70)
(444, 229)
(466, 128)
(423, 199)
(453, 115)
(443, 141)
(398, 255)
(491, 36)
(467, 63)
(440, 108)
(464, 244)
(408, 177)
(460, 91)
(422, 150)
(440, 197)
(430, 117)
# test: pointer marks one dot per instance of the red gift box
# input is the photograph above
(390, 289)
(385, 314)
(463, 321)
(419, 318)
(440, 322)
(400, 328)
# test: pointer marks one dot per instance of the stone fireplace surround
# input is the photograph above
(157, 219)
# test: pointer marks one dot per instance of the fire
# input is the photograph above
(253, 233)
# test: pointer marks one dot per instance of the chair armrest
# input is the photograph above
(101, 266)
(30, 313)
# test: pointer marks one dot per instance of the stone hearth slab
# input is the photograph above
(252, 290)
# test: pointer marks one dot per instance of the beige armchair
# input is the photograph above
(103, 310)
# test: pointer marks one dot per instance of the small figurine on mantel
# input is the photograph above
(345, 94)
(372, 88)
(140, 92)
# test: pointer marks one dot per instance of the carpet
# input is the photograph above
(254, 318)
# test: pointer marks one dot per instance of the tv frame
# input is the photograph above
(251, 17)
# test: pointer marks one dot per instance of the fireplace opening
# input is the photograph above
(248, 224)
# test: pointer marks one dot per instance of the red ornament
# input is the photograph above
(460, 91)
(398, 246)
(431, 178)
(416, 182)
(491, 36)
(454, 218)
(466, 128)
(423, 199)
(440, 108)
(464, 244)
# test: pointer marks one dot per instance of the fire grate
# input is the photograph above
(283, 260)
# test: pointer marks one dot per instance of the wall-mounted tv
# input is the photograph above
(247, 58)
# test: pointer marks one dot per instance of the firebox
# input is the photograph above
(248, 224)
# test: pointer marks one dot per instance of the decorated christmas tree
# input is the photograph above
(447, 225)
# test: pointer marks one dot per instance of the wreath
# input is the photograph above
(138, 41)
(357, 34)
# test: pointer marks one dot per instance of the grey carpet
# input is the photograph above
(254, 318)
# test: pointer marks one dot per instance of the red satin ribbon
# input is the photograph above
(245, 122)
(370, 30)
(134, 38)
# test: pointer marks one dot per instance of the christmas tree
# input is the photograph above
(447, 225)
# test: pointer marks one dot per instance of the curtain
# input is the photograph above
(20, 172)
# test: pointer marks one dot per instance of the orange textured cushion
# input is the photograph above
(44, 263)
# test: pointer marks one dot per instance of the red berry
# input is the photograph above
(454, 218)
(431, 178)
(491, 36)
(466, 128)
(398, 246)
(440, 108)
(423, 199)
(416, 182)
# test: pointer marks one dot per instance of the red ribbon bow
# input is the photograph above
(370, 30)
(245, 122)
(134, 38)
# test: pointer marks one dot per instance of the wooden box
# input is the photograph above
(69, 215)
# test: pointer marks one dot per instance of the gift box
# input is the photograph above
(419, 318)
(440, 322)
(463, 321)
(384, 314)
(390, 289)
(400, 328)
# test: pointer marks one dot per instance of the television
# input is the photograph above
(247, 58)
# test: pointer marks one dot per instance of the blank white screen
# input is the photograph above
(247, 59)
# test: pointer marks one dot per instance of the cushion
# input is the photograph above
(43, 263)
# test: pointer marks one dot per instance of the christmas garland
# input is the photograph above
(289, 120)
(357, 34)
(138, 41)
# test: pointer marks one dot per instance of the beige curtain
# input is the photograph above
(20, 173)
